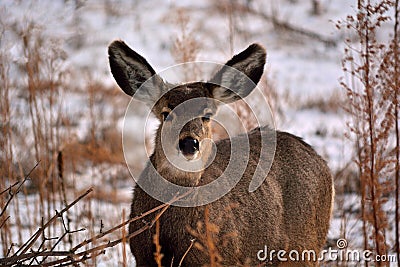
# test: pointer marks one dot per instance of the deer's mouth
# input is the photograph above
(189, 147)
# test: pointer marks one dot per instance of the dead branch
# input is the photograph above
(71, 256)
(187, 251)
(119, 226)
(12, 194)
(9, 188)
(40, 231)
(22, 254)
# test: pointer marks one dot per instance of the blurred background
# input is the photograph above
(332, 77)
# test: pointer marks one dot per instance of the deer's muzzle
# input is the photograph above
(189, 146)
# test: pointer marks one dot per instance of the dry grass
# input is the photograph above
(156, 240)
(333, 103)
(37, 130)
(86, 250)
(206, 239)
(185, 45)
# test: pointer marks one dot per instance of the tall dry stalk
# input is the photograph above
(156, 241)
(44, 71)
(185, 45)
(396, 95)
(35, 94)
(371, 65)
(206, 239)
(6, 156)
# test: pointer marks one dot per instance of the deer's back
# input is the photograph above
(290, 210)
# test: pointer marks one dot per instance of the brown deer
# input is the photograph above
(291, 209)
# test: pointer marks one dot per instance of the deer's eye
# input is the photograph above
(165, 116)
(207, 116)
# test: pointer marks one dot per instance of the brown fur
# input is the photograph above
(291, 210)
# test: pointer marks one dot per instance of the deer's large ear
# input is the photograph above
(131, 71)
(240, 75)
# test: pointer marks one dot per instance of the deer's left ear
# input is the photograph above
(240, 75)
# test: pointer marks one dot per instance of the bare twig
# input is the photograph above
(162, 206)
(86, 254)
(22, 254)
(156, 240)
(123, 232)
(72, 256)
(3, 222)
(187, 251)
(101, 235)
(9, 188)
(40, 231)
(12, 194)
(31, 255)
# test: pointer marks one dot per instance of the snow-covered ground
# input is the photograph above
(304, 71)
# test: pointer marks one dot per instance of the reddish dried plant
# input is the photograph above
(372, 85)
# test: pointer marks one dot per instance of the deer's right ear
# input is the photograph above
(239, 76)
(131, 71)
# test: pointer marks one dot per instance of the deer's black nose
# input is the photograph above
(188, 146)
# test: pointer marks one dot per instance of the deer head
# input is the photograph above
(185, 111)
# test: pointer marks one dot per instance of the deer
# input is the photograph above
(290, 210)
